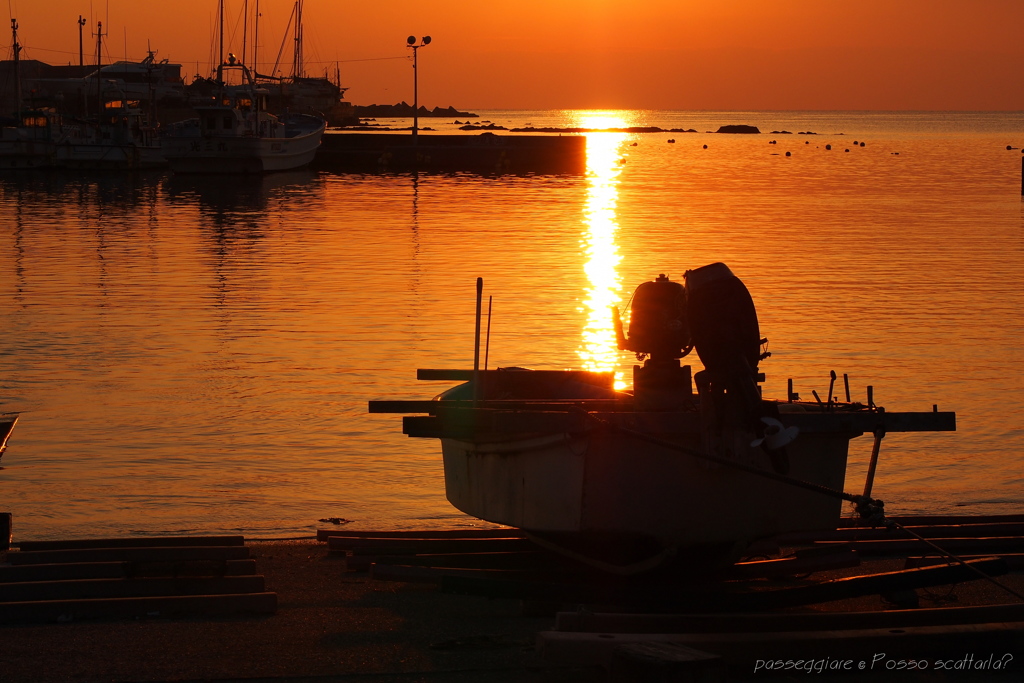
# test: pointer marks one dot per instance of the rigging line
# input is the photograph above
(824, 490)
(860, 500)
(956, 558)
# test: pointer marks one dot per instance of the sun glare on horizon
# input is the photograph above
(598, 349)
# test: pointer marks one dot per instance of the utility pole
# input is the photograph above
(411, 42)
(81, 54)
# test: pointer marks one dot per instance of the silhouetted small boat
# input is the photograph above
(7, 422)
(628, 480)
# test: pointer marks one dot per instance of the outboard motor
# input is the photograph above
(659, 332)
(723, 323)
(657, 322)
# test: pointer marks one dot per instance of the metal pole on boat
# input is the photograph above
(875, 447)
(487, 344)
(476, 349)
(16, 49)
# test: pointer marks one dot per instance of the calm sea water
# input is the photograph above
(196, 354)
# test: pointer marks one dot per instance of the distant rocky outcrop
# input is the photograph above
(403, 109)
(738, 128)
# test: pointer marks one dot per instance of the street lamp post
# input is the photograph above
(411, 42)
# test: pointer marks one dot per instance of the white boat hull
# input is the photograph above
(211, 154)
(611, 483)
(100, 156)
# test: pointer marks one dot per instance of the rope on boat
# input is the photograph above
(870, 509)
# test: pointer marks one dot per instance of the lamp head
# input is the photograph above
(426, 40)
(411, 40)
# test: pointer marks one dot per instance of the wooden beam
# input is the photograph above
(928, 520)
(898, 546)
(128, 588)
(323, 534)
(416, 546)
(882, 533)
(174, 554)
(784, 621)
(119, 570)
(705, 598)
(540, 405)
(120, 608)
(879, 649)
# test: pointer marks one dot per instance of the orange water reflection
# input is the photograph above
(598, 349)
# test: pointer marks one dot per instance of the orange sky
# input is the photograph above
(539, 54)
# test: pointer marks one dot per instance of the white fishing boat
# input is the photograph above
(629, 479)
(234, 132)
(119, 138)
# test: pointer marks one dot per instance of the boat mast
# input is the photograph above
(255, 39)
(220, 41)
(16, 49)
(99, 65)
(245, 28)
(297, 68)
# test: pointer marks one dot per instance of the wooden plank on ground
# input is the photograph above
(706, 598)
(790, 566)
(991, 545)
(120, 570)
(133, 542)
(1014, 561)
(925, 520)
(989, 643)
(411, 574)
(883, 534)
(128, 588)
(417, 546)
(544, 405)
(152, 607)
(654, 662)
(614, 622)
(499, 560)
(323, 534)
(171, 554)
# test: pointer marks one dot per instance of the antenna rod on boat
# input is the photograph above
(256, 39)
(99, 74)
(487, 345)
(16, 49)
(220, 40)
(476, 350)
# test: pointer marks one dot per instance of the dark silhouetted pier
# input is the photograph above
(486, 153)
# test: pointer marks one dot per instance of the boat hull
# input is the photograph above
(188, 154)
(613, 484)
(112, 157)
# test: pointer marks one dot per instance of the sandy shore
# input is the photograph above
(330, 625)
(334, 625)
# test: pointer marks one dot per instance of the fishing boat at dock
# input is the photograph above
(234, 132)
(684, 467)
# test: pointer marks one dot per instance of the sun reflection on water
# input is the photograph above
(598, 349)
